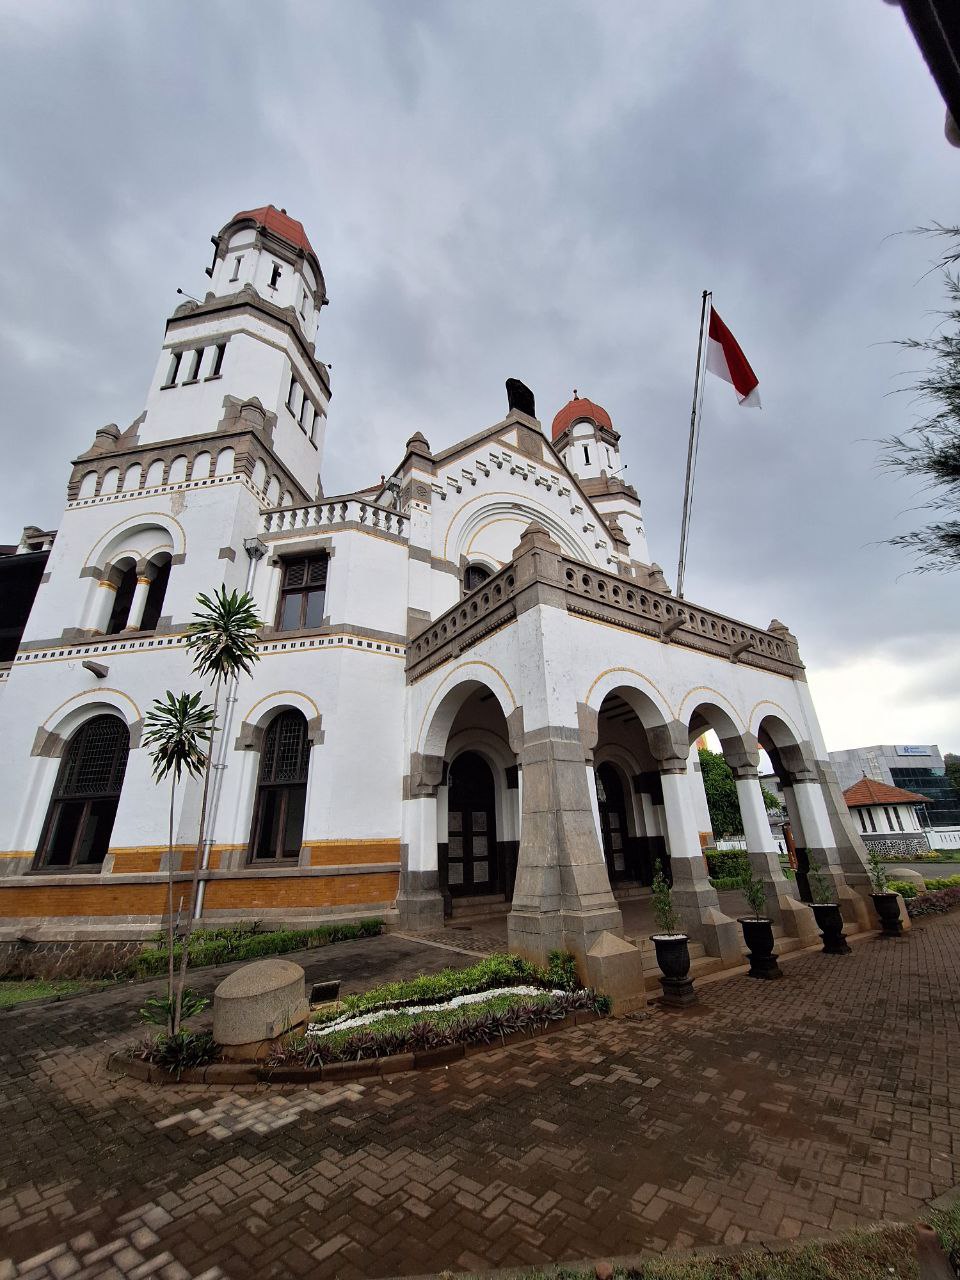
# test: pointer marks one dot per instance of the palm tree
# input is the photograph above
(177, 732)
(223, 640)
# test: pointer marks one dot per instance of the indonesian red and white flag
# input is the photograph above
(727, 361)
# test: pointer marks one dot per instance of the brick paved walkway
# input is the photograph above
(785, 1109)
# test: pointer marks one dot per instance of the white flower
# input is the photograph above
(347, 1022)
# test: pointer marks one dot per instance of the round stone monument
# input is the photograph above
(256, 1005)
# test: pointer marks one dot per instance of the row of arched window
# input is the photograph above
(179, 470)
(79, 821)
(158, 472)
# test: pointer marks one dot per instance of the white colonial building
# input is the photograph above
(473, 681)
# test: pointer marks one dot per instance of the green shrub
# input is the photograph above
(664, 912)
(157, 1008)
(941, 882)
(247, 941)
(493, 971)
(727, 863)
(562, 971)
(754, 892)
(905, 888)
(724, 883)
(178, 1052)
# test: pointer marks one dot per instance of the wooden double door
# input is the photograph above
(472, 856)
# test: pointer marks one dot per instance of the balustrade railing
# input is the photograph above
(335, 511)
(673, 619)
(593, 593)
(485, 609)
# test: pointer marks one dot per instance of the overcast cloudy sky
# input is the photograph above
(538, 190)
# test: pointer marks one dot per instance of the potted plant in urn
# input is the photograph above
(886, 903)
(671, 945)
(758, 930)
(826, 911)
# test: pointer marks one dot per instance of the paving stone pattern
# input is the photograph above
(777, 1110)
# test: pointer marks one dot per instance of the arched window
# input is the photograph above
(158, 589)
(474, 575)
(277, 830)
(84, 803)
(123, 598)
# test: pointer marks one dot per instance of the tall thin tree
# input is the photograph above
(930, 450)
(223, 642)
(177, 731)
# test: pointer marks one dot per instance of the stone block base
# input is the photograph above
(615, 967)
(419, 902)
(799, 922)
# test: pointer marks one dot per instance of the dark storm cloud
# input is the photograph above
(538, 191)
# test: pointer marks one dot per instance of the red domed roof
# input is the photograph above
(580, 408)
(277, 221)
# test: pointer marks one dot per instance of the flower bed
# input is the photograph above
(933, 904)
(248, 941)
(395, 1027)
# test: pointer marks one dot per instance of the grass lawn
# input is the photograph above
(16, 992)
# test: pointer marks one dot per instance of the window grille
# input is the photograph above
(281, 789)
(302, 593)
(80, 819)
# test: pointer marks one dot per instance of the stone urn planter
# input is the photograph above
(673, 957)
(888, 909)
(758, 935)
(830, 923)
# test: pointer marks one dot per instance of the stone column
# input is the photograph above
(103, 602)
(562, 899)
(742, 754)
(145, 575)
(761, 846)
(419, 900)
(694, 896)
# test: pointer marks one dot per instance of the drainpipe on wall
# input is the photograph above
(255, 550)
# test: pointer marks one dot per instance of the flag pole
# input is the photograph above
(691, 449)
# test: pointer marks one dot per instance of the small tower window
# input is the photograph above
(474, 575)
(174, 369)
(122, 600)
(236, 268)
(274, 276)
(586, 455)
(292, 392)
(195, 367)
(303, 303)
(218, 360)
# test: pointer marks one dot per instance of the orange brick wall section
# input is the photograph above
(129, 860)
(84, 900)
(292, 891)
(345, 853)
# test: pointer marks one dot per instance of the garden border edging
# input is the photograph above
(236, 1073)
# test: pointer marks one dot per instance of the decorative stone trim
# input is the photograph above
(85, 647)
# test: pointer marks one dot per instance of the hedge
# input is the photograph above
(247, 942)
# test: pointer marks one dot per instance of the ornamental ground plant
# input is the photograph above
(502, 1015)
(248, 941)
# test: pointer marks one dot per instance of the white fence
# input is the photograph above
(943, 837)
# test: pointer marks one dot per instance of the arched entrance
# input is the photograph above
(472, 853)
(614, 832)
